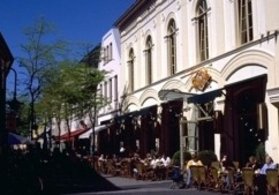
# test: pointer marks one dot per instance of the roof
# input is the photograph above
(5, 52)
(132, 12)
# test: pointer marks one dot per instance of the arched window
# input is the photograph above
(245, 21)
(171, 38)
(202, 29)
(148, 57)
(131, 70)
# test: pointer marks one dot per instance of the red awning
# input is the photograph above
(73, 134)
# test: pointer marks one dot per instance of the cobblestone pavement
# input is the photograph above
(138, 187)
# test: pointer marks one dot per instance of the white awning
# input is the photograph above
(97, 129)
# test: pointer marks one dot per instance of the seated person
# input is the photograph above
(226, 166)
(253, 163)
(193, 162)
(260, 179)
(269, 164)
(101, 162)
(226, 163)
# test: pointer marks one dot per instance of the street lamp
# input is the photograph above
(14, 103)
(6, 60)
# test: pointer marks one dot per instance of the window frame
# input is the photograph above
(202, 30)
(244, 15)
(171, 47)
(131, 67)
(148, 59)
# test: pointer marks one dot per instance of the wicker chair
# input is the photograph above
(203, 176)
(141, 172)
(214, 181)
(236, 165)
(216, 165)
(272, 181)
(198, 174)
(248, 180)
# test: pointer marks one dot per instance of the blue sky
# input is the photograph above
(76, 21)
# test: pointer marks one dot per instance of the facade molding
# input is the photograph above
(247, 58)
(149, 93)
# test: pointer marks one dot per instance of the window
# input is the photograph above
(245, 20)
(148, 57)
(110, 51)
(171, 41)
(101, 90)
(131, 70)
(110, 90)
(115, 88)
(202, 29)
(105, 90)
(107, 54)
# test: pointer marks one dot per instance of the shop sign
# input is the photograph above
(201, 80)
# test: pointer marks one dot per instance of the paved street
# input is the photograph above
(139, 187)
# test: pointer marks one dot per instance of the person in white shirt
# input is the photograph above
(269, 164)
(167, 161)
(153, 162)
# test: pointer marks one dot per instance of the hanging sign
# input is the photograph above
(201, 80)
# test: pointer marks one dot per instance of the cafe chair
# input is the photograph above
(214, 181)
(248, 180)
(272, 181)
(216, 165)
(198, 174)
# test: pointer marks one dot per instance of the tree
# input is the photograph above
(81, 95)
(42, 53)
(73, 94)
(49, 105)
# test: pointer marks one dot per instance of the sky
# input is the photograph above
(75, 21)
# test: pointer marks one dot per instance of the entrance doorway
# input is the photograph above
(246, 118)
(242, 135)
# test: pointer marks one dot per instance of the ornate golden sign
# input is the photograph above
(201, 80)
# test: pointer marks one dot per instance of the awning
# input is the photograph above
(14, 139)
(141, 112)
(73, 134)
(97, 129)
(205, 97)
(173, 94)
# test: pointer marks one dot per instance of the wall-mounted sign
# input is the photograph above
(201, 80)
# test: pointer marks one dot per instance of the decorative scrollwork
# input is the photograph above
(201, 80)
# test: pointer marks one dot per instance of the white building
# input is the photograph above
(110, 62)
(229, 47)
(110, 89)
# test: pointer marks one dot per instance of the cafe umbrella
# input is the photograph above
(15, 139)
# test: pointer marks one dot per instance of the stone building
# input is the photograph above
(203, 72)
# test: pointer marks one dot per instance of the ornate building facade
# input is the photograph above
(202, 73)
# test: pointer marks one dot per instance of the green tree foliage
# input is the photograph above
(41, 53)
(72, 93)
(207, 157)
(176, 157)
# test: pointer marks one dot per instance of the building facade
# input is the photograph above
(219, 58)
(109, 89)
(6, 61)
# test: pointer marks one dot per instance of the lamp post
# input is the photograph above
(14, 103)
(6, 60)
(14, 106)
